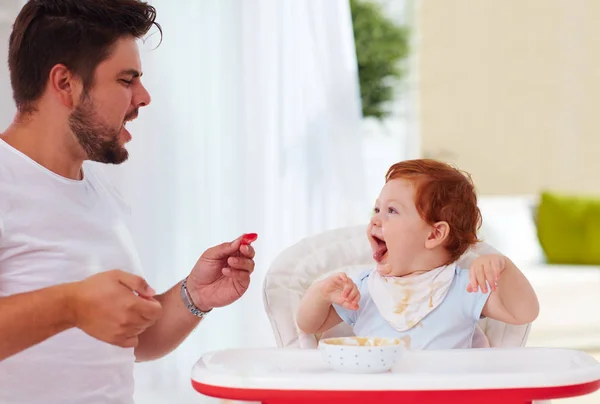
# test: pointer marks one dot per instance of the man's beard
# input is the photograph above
(99, 141)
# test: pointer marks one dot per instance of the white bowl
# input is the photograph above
(361, 354)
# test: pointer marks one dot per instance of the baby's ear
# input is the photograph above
(437, 236)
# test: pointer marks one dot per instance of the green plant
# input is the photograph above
(381, 44)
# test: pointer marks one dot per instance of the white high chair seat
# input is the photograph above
(348, 250)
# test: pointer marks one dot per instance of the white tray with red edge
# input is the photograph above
(435, 370)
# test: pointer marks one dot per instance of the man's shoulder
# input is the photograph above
(9, 166)
(10, 183)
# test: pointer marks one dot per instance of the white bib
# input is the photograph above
(405, 301)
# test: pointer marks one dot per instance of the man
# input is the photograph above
(75, 312)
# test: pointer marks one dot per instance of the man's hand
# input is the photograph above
(339, 289)
(486, 268)
(114, 307)
(222, 274)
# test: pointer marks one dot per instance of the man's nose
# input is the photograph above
(143, 97)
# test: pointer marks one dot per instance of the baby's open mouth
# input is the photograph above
(380, 251)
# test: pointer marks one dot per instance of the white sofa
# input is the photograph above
(569, 295)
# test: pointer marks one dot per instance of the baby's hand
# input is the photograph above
(339, 289)
(486, 268)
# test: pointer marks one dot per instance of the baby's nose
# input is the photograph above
(376, 219)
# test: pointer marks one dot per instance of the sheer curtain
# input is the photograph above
(255, 126)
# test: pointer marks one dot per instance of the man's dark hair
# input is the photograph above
(77, 33)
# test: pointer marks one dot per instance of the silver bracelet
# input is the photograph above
(189, 303)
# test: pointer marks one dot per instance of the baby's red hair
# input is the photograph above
(443, 193)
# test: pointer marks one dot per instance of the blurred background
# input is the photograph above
(281, 117)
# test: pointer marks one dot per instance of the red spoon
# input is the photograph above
(249, 238)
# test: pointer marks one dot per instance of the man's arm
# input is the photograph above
(104, 306)
(173, 327)
(220, 277)
(26, 319)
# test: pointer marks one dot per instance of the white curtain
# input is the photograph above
(255, 126)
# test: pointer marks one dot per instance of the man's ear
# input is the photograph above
(438, 235)
(64, 85)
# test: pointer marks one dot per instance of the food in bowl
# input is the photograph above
(361, 354)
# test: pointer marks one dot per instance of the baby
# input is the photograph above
(425, 219)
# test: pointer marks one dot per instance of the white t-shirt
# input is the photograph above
(55, 230)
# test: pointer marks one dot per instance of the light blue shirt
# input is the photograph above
(450, 325)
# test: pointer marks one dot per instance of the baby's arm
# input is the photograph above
(316, 313)
(512, 299)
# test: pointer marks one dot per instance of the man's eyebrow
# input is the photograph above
(131, 72)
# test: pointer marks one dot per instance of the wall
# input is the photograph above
(509, 89)
(8, 11)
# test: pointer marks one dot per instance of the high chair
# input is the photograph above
(348, 250)
(278, 376)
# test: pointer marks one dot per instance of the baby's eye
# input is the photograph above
(375, 211)
(392, 210)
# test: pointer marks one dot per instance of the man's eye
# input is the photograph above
(126, 82)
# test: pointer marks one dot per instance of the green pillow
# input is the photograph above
(568, 228)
